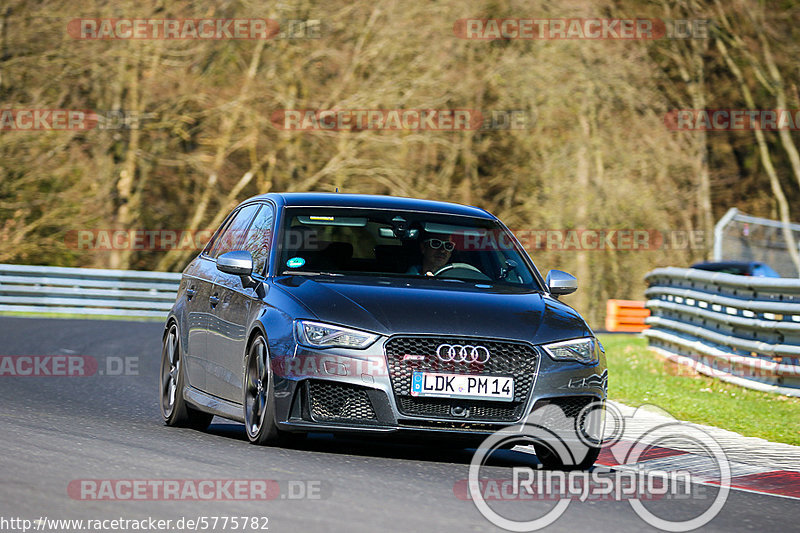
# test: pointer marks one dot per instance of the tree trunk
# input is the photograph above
(766, 160)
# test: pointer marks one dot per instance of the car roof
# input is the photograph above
(313, 199)
(724, 264)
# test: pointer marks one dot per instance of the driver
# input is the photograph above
(435, 254)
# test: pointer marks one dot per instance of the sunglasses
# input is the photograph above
(438, 243)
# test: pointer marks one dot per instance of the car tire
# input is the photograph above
(259, 396)
(551, 461)
(175, 410)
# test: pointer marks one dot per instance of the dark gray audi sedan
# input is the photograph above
(338, 313)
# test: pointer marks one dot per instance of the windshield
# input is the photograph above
(376, 242)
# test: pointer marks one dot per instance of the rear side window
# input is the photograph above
(216, 236)
(259, 238)
(235, 234)
(760, 269)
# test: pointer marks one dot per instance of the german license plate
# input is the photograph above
(499, 388)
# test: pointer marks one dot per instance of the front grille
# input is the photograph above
(507, 359)
(335, 402)
(474, 409)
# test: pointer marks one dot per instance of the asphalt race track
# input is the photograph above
(56, 431)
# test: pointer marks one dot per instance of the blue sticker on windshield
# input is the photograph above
(295, 262)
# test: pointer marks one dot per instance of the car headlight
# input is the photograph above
(582, 350)
(319, 335)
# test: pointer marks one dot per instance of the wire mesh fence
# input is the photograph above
(743, 237)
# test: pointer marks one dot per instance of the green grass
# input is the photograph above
(83, 317)
(638, 376)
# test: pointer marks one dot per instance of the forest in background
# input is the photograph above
(597, 153)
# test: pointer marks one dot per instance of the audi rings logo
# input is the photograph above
(462, 354)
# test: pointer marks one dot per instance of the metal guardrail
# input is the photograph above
(740, 329)
(87, 291)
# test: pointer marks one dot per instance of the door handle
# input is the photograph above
(190, 293)
(214, 300)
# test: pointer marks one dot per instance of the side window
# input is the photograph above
(233, 236)
(215, 238)
(259, 238)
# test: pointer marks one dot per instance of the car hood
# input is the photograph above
(389, 306)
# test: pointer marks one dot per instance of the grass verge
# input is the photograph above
(637, 376)
(83, 317)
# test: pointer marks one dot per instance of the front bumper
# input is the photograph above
(344, 391)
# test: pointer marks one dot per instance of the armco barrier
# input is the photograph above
(626, 316)
(87, 291)
(740, 329)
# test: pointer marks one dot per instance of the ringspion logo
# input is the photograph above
(570, 439)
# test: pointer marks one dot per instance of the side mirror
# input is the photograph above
(238, 263)
(561, 283)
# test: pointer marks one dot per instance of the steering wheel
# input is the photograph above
(468, 271)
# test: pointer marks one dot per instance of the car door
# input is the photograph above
(228, 312)
(198, 279)
(238, 305)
